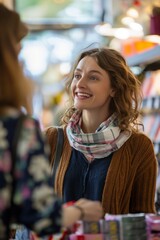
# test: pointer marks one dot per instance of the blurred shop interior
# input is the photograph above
(60, 29)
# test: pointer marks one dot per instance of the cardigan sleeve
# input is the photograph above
(144, 185)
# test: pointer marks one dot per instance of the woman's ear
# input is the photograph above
(112, 94)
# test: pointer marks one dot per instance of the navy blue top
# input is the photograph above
(84, 179)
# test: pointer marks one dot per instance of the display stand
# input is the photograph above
(149, 61)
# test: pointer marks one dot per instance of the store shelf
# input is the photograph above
(58, 24)
(145, 57)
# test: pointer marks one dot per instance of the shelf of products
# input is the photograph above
(151, 107)
(112, 227)
(150, 62)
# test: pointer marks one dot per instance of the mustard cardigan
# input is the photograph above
(130, 184)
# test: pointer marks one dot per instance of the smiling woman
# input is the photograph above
(105, 156)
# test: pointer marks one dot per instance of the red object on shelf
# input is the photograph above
(137, 3)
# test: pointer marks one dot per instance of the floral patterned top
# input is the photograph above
(34, 203)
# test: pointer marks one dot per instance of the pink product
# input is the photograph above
(153, 222)
(153, 226)
(86, 237)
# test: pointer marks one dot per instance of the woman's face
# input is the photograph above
(91, 86)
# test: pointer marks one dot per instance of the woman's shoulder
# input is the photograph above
(19, 122)
(51, 134)
(52, 130)
(139, 142)
(139, 137)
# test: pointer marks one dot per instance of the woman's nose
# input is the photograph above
(81, 82)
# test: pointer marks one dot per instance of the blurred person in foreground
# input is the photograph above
(26, 193)
(106, 155)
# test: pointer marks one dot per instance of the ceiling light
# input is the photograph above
(127, 20)
(132, 12)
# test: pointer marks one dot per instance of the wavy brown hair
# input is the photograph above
(15, 89)
(128, 95)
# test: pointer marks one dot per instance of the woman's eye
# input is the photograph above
(77, 76)
(93, 78)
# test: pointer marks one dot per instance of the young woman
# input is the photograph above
(26, 192)
(106, 156)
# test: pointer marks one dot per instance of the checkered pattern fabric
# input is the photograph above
(107, 138)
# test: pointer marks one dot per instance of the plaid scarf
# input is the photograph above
(107, 138)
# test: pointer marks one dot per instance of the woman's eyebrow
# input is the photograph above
(91, 71)
(78, 69)
(95, 71)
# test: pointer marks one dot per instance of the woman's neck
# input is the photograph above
(91, 121)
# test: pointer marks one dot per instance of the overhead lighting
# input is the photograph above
(120, 33)
(153, 38)
(104, 29)
(132, 12)
(136, 26)
(127, 20)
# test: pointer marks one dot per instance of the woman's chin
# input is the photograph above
(78, 107)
